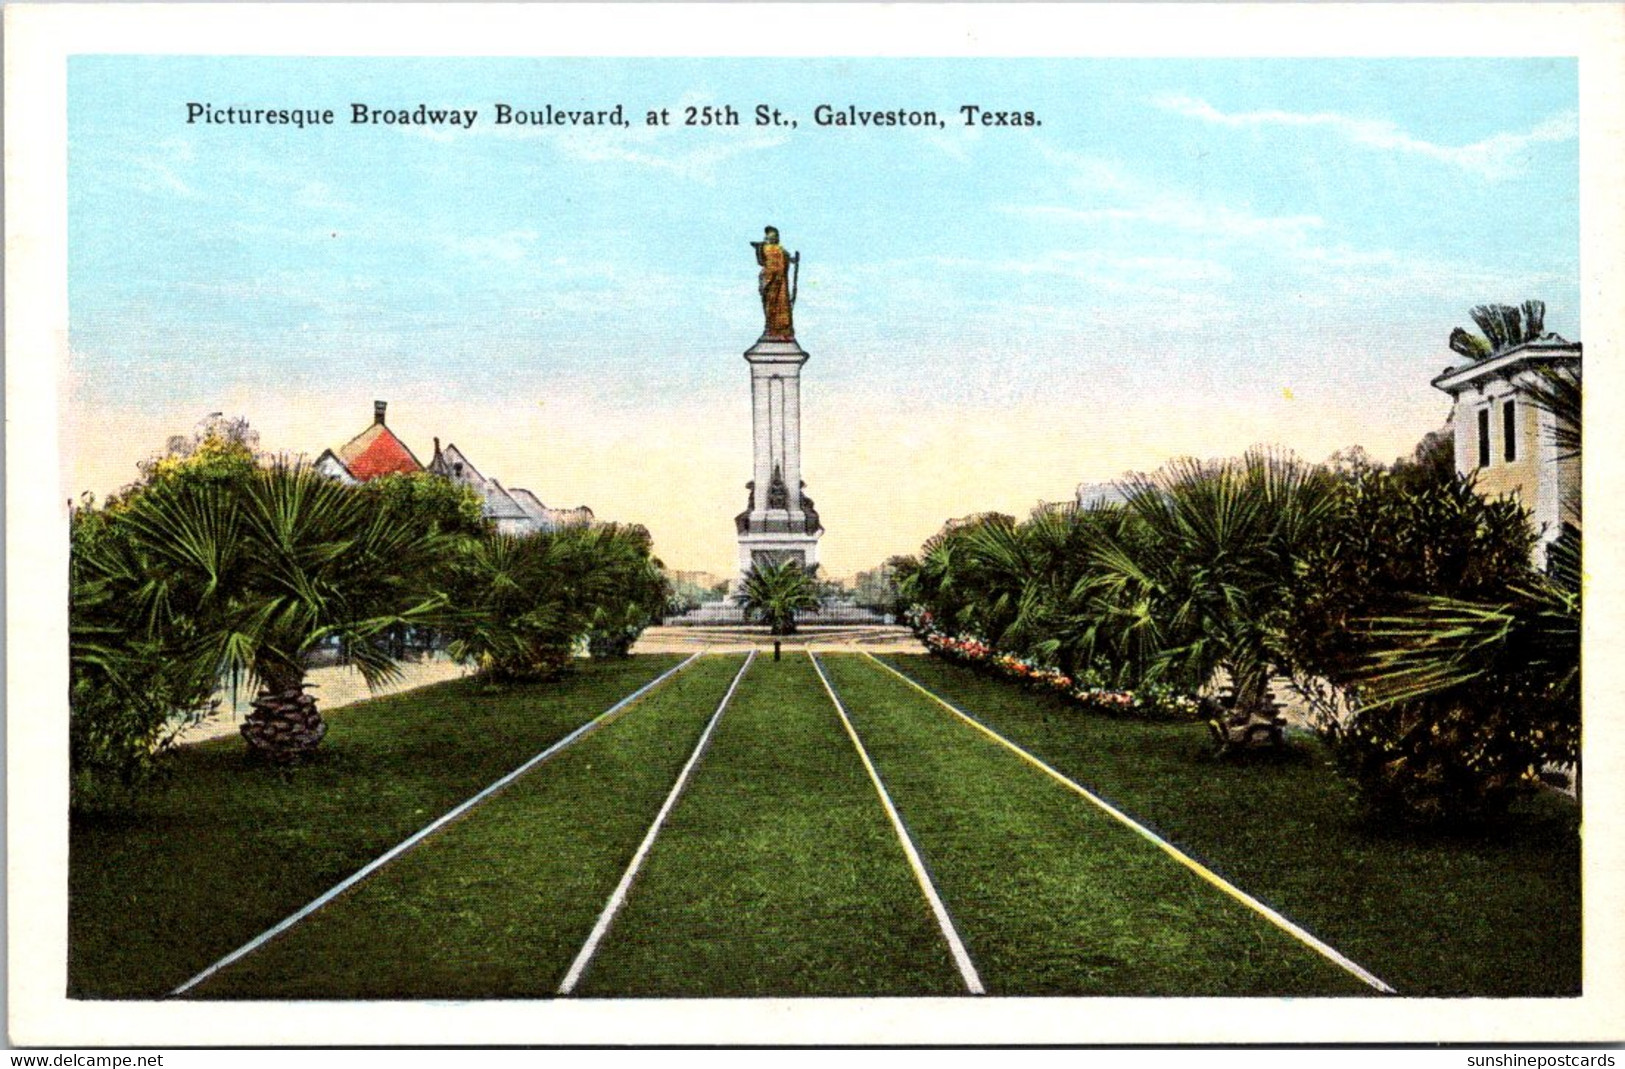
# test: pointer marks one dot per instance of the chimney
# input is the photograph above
(378, 411)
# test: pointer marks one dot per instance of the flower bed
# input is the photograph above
(1088, 691)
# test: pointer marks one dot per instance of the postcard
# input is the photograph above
(808, 524)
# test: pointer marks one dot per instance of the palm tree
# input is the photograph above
(1557, 390)
(245, 580)
(526, 603)
(636, 588)
(1198, 581)
(1444, 644)
(961, 586)
(1503, 326)
(514, 618)
(1480, 692)
(774, 592)
(1031, 582)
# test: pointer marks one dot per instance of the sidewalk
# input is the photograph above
(874, 638)
(335, 688)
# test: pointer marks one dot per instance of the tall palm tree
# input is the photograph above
(775, 592)
(246, 580)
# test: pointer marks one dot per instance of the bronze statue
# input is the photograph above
(777, 285)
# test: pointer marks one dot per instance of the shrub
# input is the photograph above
(132, 687)
(1417, 599)
(524, 605)
(1439, 762)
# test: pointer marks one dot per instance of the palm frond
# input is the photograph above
(1469, 345)
(1534, 318)
(1530, 641)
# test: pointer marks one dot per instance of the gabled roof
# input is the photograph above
(499, 505)
(451, 463)
(531, 504)
(376, 451)
(329, 465)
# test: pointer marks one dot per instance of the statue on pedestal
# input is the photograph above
(777, 285)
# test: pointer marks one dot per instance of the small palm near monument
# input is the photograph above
(774, 592)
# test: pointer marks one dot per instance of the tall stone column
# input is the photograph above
(778, 525)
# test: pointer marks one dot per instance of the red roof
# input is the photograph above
(376, 451)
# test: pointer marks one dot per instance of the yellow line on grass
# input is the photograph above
(967, 970)
(1207, 874)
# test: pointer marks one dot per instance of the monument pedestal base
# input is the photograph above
(773, 548)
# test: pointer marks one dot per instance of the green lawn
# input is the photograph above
(228, 850)
(778, 873)
(1051, 896)
(498, 904)
(1432, 916)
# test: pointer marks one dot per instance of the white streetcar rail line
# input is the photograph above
(967, 970)
(616, 900)
(423, 833)
(1324, 950)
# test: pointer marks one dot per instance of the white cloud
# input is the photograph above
(1497, 156)
(698, 164)
(1179, 214)
(161, 171)
(1106, 194)
(509, 247)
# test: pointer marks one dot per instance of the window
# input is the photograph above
(1483, 437)
(1509, 431)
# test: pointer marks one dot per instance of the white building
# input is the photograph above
(1509, 441)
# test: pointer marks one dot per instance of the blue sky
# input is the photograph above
(1185, 257)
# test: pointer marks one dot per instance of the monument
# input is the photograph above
(779, 522)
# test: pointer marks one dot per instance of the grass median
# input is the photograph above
(497, 904)
(1051, 896)
(1440, 916)
(778, 873)
(227, 849)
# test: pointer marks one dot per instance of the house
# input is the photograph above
(1506, 439)
(1092, 495)
(516, 511)
(580, 516)
(376, 451)
(499, 506)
